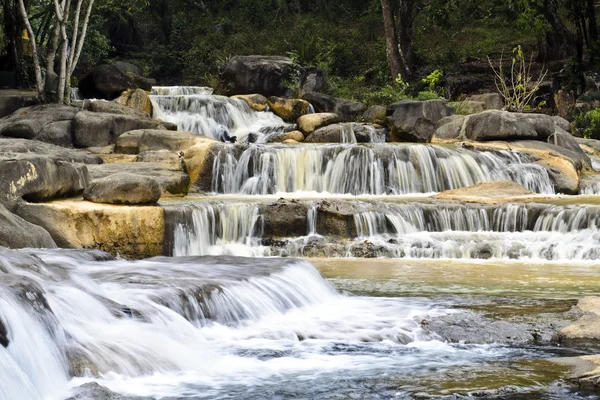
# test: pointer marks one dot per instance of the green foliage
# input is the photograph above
(588, 124)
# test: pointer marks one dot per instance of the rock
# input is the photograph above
(48, 123)
(415, 121)
(111, 107)
(369, 133)
(105, 82)
(199, 160)
(38, 171)
(170, 178)
(562, 123)
(347, 110)
(296, 136)
(468, 107)
(168, 158)
(288, 109)
(137, 99)
(16, 233)
(375, 115)
(290, 141)
(585, 370)
(336, 218)
(123, 188)
(153, 139)
(336, 133)
(488, 192)
(586, 330)
(503, 125)
(129, 231)
(311, 122)
(590, 146)
(284, 218)
(101, 129)
(491, 101)
(13, 100)
(312, 80)
(565, 139)
(565, 104)
(128, 142)
(93, 391)
(257, 74)
(258, 102)
(450, 129)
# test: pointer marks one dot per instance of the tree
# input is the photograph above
(391, 40)
(70, 47)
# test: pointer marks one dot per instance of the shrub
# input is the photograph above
(588, 124)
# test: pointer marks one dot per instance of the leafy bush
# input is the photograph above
(588, 124)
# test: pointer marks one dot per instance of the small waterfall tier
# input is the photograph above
(169, 327)
(337, 228)
(197, 110)
(373, 169)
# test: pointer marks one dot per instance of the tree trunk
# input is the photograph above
(559, 40)
(39, 83)
(13, 28)
(406, 19)
(391, 41)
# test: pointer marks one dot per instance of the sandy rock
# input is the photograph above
(123, 188)
(137, 99)
(488, 192)
(288, 109)
(311, 122)
(258, 102)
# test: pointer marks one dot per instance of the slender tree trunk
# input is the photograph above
(406, 19)
(13, 28)
(391, 41)
(559, 40)
(39, 83)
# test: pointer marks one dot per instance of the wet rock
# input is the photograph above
(199, 160)
(123, 188)
(503, 125)
(257, 74)
(39, 171)
(93, 391)
(285, 218)
(170, 178)
(128, 231)
(311, 122)
(285, 137)
(48, 123)
(347, 110)
(585, 332)
(336, 133)
(16, 233)
(290, 141)
(137, 99)
(258, 102)
(415, 121)
(375, 115)
(369, 133)
(491, 101)
(336, 218)
(288, 109)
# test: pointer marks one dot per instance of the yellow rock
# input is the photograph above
(199, 161)
(311, 122)
(290, 141)
(288, 109)
(137, 99)
(257, 101)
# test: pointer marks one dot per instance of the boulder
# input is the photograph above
(16, 233)
(487, 192)
(257, 74)
(153, 139)
(491, 101)
(565, 104)
(13, 100)
(257, 102)
(199, 160)
(311, 122)
(95, 129)
(336, 133)
(586, 330)
(590, 146)
(375, 115)
(290, 141)
(288, 109)
(127, 231)
(312, 80)
(137, 99)
(284, 218)
(336, 218)
(123, 188)
(565, 139)
(369, 133)
(503, 125)
(105, 82)
(111, 107)
(128, 142)
(562, 123)
(93, 391)
(468, 107)
(296, 136)
(347, 110)
(170, 159)
(49, 123)
(170, 177)
(39, 171)
(415, 121)
(450, 129)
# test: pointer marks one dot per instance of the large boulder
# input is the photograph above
(285, 137)
(415, 121)
(48, 123)
(95, 129)
(137, 99)
(108, 81)
(16, 233)
(257, 74)
(288, 109)
(199, 160)
(586, 330)
(284, 218)
(347, 110)
(12, 100)
(336, 133)
(39, 171)
(503, 125)
(257, 102)
(311, 122)
(375, 115)
(123, 188)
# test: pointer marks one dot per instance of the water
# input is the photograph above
(369, 169)
(197, 110)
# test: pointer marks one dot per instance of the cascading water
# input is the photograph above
(197, 110)
(369, 169)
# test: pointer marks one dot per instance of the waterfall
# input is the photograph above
(369, 169)
(197, 110)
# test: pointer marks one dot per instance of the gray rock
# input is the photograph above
(565, 139)
(336, 133)
(93, 391)
(503, 125)
(128, 142)
(110, 107)
(123, 188)
(257, 74)
(312, 80)
(369, 133)
(415, 121)
(101, 129)
(12, 100)
(375, 115)
(285, 218)
(153, 139)
(492, 101)
(562, 123)
(450, 128)
(49, 123)
(170, 180)
(347, 110)
(16, 233)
